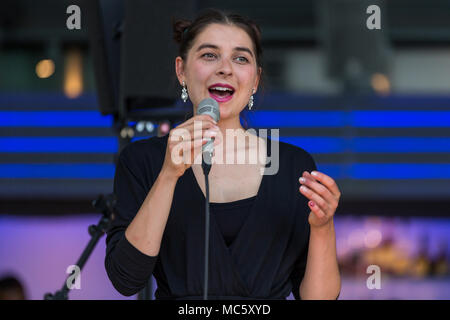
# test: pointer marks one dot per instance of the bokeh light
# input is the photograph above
(45, 68)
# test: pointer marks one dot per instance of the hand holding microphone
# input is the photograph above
(184, 139)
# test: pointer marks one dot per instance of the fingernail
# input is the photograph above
(212, 133)
(302, 180)
(314, 173)
(311, 204)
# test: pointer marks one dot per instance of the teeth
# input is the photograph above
(221, 89)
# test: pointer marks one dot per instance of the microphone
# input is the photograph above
(210, 107)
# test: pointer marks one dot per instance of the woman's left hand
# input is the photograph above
(323, 196)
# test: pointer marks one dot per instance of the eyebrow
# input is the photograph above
(212, 46)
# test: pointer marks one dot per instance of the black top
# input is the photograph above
(230, 216)
(267, 252)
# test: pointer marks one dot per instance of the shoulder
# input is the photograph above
(145, 150)
(293, 152)
(295, 157)
(141, 147)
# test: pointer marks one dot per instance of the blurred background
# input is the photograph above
(371, 105)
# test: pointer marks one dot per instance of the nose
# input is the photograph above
(224, 68)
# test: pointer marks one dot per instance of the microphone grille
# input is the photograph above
(209, 106)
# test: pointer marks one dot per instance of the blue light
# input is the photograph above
(140, 138)
(54, 119)
(355, 118)
(400, 115)
(259, 119)
(58, 171)
(59, 144)
(335, 171)
(280, 119)
(316, 144)
(310, 144)
(353, 171)
(400, 119)
(368, 144)
(400, 171)
(401, 145)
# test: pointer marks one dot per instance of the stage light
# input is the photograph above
(140, 126)
(150, 126)
(127, 132)
(73, 74)
(164, 128)
(373, 238)
(380, 83)
(45, 68)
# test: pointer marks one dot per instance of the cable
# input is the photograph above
(206, 166)
(205, 288)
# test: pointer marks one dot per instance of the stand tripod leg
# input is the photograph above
(147, 292)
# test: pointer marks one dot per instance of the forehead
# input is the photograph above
(224, 36)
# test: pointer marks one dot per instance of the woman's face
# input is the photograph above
(221, 58)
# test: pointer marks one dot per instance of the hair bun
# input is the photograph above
(179, 28)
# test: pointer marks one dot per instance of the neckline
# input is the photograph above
(233, 203)
(257, 199)
(200, 191)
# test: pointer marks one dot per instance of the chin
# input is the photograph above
(225, 115)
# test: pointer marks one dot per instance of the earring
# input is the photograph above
(184, 94)
(251, 101)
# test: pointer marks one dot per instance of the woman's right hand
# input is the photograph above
(177, 159)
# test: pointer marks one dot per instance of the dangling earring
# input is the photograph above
(250, 103)
(184, 94)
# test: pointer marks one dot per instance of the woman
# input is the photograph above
(266, 239)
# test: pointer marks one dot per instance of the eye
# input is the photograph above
(242, 59)
(209, 55)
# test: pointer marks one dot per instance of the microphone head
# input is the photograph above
(210, 107)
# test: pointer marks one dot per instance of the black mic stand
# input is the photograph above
(206, 166)
(106, 206)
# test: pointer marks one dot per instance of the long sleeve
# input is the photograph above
(299, 271)
(128, 269)
(306, 163)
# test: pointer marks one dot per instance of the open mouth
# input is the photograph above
(220, 92)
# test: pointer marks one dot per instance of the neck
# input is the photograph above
(241, 141)
(235, 130)
(231, 123)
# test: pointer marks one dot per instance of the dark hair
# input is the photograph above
(11, 288)
(185, 32)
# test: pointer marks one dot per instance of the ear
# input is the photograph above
(179, 68)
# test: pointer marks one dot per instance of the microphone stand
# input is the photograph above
(106, 206)
(206, 166)
(209, 107)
